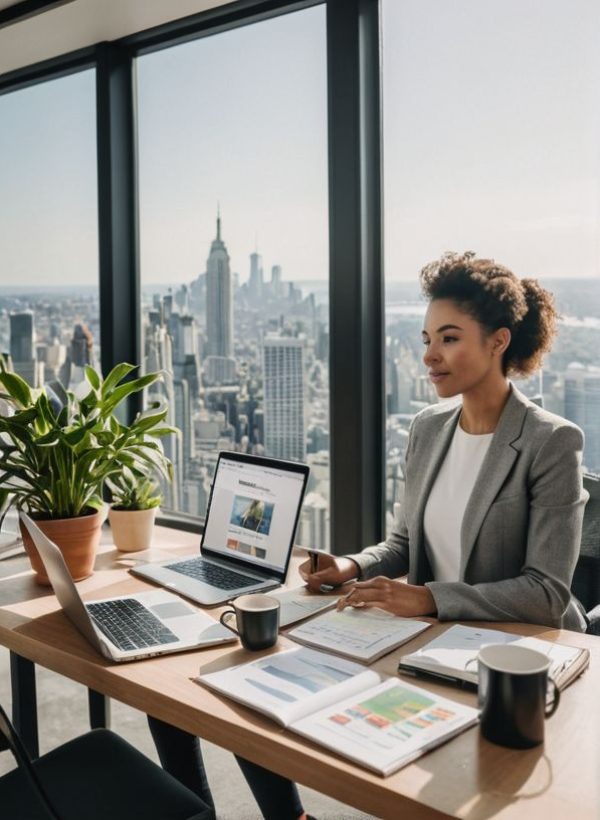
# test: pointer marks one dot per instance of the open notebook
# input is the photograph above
(380, 723)
(453, 655)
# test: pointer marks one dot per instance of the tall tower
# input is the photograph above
(256, 275)
(22, 348)
(21, 336)
(219, 306)
(283, 374)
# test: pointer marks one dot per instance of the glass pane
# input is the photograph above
(491, 114)
(49, 308)
(234, 250)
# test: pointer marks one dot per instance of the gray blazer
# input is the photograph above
(522, 525)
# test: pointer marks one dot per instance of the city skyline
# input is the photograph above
(272, 397)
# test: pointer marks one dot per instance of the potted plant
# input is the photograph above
(57, 453)
(135, 500)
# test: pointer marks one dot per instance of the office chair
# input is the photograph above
(94, 777)
(586, 579)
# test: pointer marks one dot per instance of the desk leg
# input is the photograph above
(99, 709)
(24, 702)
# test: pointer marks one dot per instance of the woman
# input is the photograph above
(493, 506)
(493, 503)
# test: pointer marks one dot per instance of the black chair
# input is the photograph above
(586, 579)
(97, 776)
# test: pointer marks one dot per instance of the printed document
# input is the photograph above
(360, 634)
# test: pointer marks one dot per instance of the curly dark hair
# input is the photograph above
(496, 298)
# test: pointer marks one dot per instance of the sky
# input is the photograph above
(491, 143)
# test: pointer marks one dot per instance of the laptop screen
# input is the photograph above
(253, 510)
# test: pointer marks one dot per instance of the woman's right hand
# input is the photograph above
(332, 571)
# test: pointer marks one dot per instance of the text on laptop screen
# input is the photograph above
(252, 513)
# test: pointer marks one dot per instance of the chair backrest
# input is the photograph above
(9, 739)
(586, 579)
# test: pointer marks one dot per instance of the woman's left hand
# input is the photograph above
(397, 597)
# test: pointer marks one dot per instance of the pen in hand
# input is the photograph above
(314, 567)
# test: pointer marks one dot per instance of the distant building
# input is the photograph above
(181, 329)
(81, 349)
(313, 530)
(158, 354)
(582, 406)
(256, 276)
(80, 353)
(219, 305)
(219, 370)
(283, 379)
(22, 348)
(183, 420)
(276, 285)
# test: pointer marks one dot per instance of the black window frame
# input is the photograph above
(357, 390)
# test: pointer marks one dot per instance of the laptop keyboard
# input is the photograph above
(129, 624)
(212, 574)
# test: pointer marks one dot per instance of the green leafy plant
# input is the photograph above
(132, 490)
(55, 456)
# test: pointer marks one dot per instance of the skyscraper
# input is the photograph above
(158, 354)
(582, 405)
(219, 305)
(283, 375)
(79, 354)
(256, 275)
(21, 336)
(22, 348)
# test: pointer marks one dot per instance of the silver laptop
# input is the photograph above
(251, 521)
(129, 627)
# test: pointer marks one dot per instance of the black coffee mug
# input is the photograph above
(257, 619)
(513, 688)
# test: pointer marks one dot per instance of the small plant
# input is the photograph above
(134, 491)
(56, 455)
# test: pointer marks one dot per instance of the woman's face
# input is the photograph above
(459, 356)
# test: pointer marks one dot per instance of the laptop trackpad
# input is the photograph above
(172, 609)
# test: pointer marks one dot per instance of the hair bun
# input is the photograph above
(533, 335)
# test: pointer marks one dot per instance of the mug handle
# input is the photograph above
(222, 621)
(551, 709)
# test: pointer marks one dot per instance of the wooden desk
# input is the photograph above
(467, 778)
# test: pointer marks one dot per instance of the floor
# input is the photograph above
(62, 706)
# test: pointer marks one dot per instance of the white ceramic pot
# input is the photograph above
(132, 529)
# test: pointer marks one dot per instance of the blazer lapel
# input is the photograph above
(496, 466)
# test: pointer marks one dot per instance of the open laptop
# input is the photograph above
(129, 627)
(251, 520)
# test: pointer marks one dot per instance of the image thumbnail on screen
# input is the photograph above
(246, 549)
(252, 514)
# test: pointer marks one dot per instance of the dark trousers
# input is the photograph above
(181, 756)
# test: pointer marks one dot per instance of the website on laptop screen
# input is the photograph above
(252, 513)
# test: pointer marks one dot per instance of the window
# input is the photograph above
(234, 249)
(491, 132)
(49, 310)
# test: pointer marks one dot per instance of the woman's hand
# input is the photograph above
(397, 597)
(332, 571)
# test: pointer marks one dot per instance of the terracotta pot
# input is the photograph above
(132, 529)
(77, 538)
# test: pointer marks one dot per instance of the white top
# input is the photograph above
(450, 493)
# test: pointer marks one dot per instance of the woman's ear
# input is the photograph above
(500, 341)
